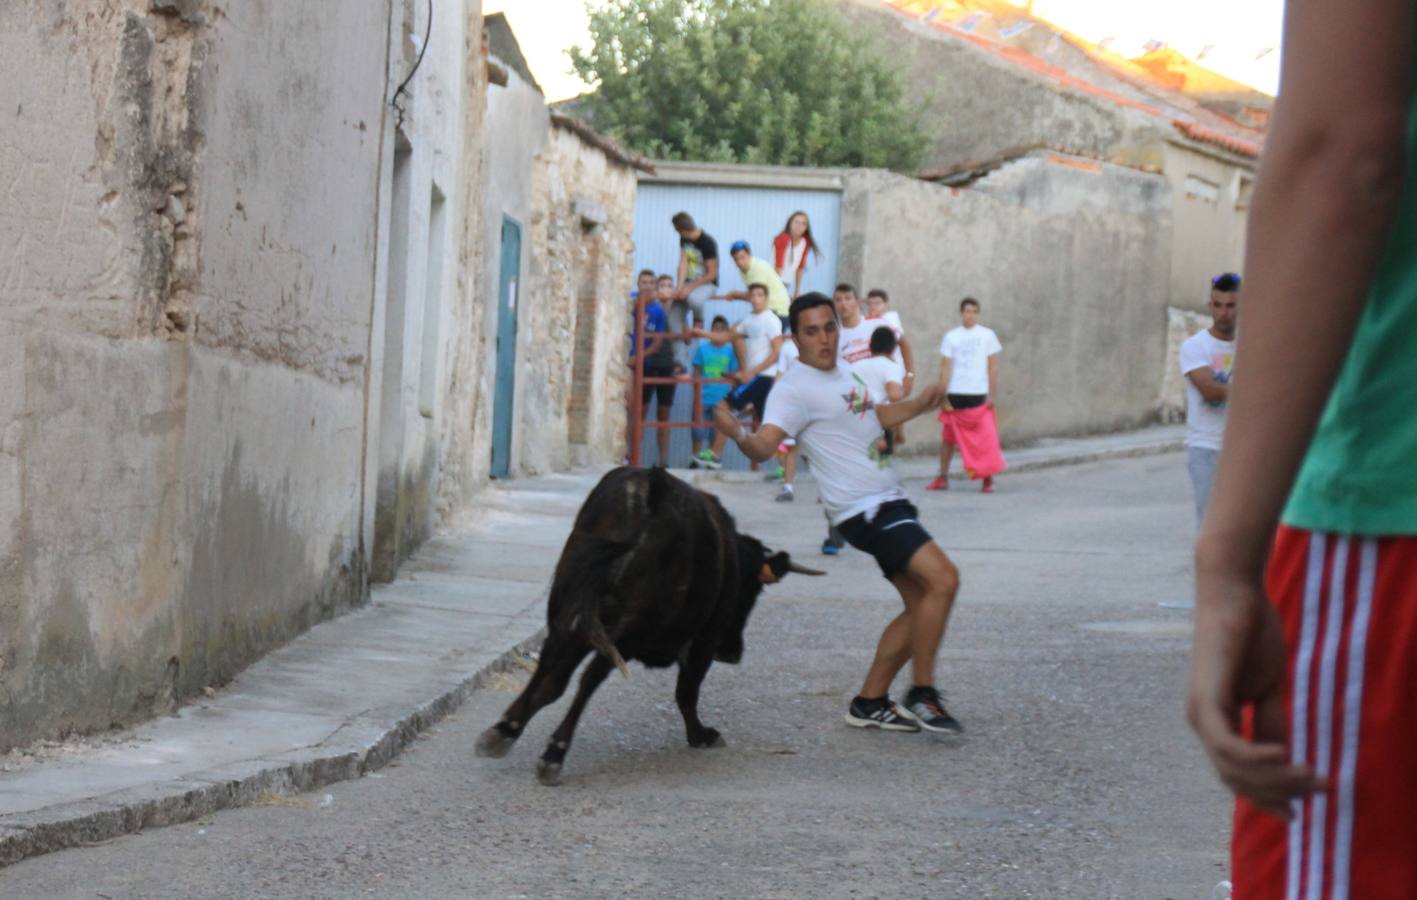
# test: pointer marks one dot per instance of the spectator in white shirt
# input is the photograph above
(969, 372)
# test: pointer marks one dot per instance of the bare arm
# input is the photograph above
(740, 351)
(1204, 380)
(907, 356)
(894, 391)
(993, 378)
(760, 446)
(1328, 186)
(943, 383)
(899, 413)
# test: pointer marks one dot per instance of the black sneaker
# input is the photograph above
(925, 705)
(879, 713)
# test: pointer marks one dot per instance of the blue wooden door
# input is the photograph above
(506, 348)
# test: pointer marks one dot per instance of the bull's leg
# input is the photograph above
(559, 657)
(691, 675)
(548, 770)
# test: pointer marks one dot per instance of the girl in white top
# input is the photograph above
(790, 249)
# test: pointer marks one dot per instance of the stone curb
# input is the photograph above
(701, 476)
(364, 744)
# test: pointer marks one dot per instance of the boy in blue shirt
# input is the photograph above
(712, 361)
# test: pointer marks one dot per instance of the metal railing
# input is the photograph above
(639, 381)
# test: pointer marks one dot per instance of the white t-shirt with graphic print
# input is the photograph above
(835, 422)
(1205, 421)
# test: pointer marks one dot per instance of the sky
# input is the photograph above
(1236, 31)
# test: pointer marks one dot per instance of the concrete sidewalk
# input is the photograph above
(343, 699)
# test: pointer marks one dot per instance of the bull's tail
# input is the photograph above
(588, 572)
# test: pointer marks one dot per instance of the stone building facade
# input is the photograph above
(244, 355)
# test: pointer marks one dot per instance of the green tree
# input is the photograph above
(789, 82)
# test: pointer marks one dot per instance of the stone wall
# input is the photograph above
(194, 243)
(584, 247)
(1069, 258)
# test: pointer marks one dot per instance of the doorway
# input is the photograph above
(505, 375)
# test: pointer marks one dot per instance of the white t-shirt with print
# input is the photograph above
(855, 342)
(1205, 421)
(877, 372)
(968, 350)
(758, 330)
(835, 422)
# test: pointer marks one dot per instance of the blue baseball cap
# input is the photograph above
(739, 245)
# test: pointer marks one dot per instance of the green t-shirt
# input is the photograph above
(760, 272)
(1360, 474)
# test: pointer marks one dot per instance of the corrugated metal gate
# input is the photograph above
(751, 210)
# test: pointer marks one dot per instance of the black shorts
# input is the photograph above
(892, 537)
(754, 392)
(967, 401)
(658, 369)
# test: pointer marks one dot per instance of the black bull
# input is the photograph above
(654, 570)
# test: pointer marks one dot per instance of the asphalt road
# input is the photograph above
(1077, 778)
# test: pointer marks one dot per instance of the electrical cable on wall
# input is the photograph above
(427, 34)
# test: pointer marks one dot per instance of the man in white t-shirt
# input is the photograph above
(1207, 359)
(854, 346)
(969, 372)
(756, 338)
(828, 408)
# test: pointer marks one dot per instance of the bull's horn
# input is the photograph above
(802, 570)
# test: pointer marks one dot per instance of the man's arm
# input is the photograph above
(1204, 380)
(943, 383)
(899, 413)
(1328, 186)
(907, 356)
(683, 269)
(993, 379)
(895, 391)
(759, 447)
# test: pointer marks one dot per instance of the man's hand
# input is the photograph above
(1238, 658)
(725, 422)
(741, 377)
(681, 292)
(989, 401)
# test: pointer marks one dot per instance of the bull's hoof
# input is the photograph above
(495, 743)
(709, 737)
(548, 773)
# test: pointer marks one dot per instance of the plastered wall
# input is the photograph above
(192, 251)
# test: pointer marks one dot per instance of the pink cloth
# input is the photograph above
(976, 433)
